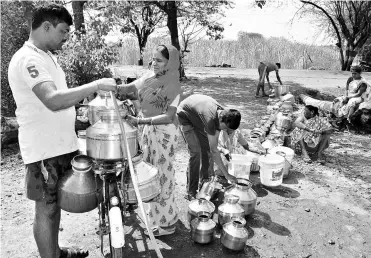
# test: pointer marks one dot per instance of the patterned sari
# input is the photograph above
(312, 140)
(158, 92)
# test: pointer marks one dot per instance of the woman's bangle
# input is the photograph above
(138, 120)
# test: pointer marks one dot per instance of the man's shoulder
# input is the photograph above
(24, 54)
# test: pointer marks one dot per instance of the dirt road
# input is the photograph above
(319, 211)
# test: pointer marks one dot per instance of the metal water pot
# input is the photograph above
(198, 205)
(246, 194)
(209, 188)
(229, 209)
(79, 190)
(234, 234)
(202, 228)
(104, 138)
(102, 101)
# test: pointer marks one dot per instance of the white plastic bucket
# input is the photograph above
(239, 166)
(288, 154)
(271, 169)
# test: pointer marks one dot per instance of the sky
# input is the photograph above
(273, 20)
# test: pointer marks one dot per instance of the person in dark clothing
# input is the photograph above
(201, 119)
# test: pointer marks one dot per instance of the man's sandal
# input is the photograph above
(159, 231)
(70, 252)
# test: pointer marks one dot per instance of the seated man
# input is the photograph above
(312, 132)
(264, 69)
(357, 91)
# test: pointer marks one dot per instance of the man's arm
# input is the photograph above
(278, 77)
(213, 142)
(55, 99)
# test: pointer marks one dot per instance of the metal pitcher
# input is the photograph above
(246, 194)
(79, 190)
(202, 228)
(209, 188)
(229, 209)
(234, 234)
(102, 101)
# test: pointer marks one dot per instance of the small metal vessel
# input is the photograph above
(234, 234)
(199, 205)
(102, 101)
(229, 209)
(202, 228)
(247, 196)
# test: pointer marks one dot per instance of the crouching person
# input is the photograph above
(312, 133)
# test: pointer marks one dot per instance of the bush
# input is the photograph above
(86, 58)
(14, 32)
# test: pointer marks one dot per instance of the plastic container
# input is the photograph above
(81, 138)
(288, 154)
(239, 166)
(271, 169)
(288, 97)
(254, 159)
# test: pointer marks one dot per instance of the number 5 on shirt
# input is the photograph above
(32, 71)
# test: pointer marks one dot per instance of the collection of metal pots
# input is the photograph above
(239, 201)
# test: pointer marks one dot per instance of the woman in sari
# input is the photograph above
(158, 92)
(312, 133)
(357, 91)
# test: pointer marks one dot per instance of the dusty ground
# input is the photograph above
(319, 211)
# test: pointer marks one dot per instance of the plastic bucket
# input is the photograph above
(288, 154)
(239, 166)
(271, 169)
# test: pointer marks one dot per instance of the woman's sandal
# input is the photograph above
(70, 252)
(159, 231)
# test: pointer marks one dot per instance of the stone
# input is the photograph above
(307, 209)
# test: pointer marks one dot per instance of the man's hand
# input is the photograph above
(231, 179)
(107, 84)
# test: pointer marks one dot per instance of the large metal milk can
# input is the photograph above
(104, 138)
(79, 190)
(102, 101)
(247, 195)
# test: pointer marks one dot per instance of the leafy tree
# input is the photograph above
(348, 21)
(78, 15)
(138, 18)
(14, 32)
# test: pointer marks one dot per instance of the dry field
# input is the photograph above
(319, 211)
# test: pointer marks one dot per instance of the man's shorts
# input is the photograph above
(42, 177)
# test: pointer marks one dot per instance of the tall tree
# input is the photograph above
(138, 18)
(349, 21)
(78, 15)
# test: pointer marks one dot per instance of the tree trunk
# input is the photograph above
(172, 23)
(78, 15)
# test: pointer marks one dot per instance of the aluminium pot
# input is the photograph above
(104, 138)
(246, 194)
(79, 190)
(234, 234)
(229, 209)
(202, 228)
(198, 205)
(148, 179)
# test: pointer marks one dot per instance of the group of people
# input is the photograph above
(47, 138)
